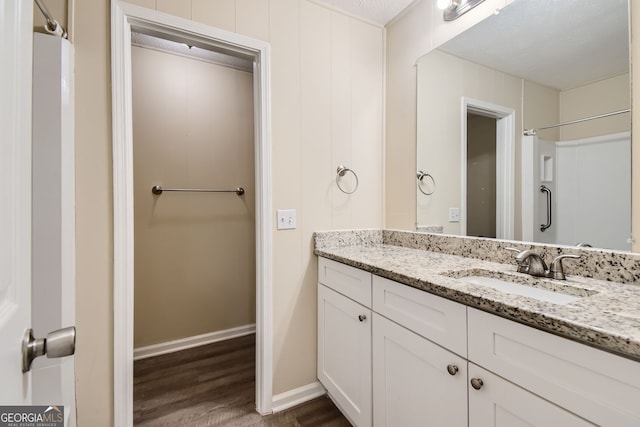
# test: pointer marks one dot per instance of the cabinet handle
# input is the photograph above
(452, 369)
(477, 383)
(362, 317)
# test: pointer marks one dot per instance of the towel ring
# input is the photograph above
(341, 171)
(420, 176)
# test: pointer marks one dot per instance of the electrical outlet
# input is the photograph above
(454, 214)
(286, 219)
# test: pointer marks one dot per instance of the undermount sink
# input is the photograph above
(536, 288)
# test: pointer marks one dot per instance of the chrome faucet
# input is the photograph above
(533, 264)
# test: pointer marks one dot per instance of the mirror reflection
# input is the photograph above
(535, 65)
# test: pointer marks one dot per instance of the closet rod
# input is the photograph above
(531, 132)
(52, 26)
(156, 189)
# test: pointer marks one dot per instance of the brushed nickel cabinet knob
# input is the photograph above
(477, 383)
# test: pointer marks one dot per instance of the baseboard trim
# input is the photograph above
(297, 396)
(190, 342)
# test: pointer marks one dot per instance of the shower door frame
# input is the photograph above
(124, 17)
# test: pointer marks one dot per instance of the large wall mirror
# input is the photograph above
(535, 64)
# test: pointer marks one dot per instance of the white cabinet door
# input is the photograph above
(344, 354)
(412, 385)
(499, 403)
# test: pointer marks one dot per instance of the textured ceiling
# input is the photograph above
(379, 11)
(558, 43)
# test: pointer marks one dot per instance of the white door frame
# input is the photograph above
(124, 17)
(505, 164)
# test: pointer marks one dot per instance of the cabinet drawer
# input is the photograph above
(599, 386)
(349, 281)
(437, 319)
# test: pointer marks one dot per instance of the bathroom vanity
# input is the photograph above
(411, 334)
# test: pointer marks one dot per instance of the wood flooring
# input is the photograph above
(214, 385)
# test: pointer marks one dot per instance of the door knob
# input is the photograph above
(58, 343)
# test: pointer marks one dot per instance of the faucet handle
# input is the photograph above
(556, 271)
(513, 250)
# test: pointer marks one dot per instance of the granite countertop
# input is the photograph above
(607, 315)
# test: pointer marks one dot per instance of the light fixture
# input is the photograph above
(454, 9)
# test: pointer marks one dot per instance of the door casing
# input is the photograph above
(505, 164)
(124, 18)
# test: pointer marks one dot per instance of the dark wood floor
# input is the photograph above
(214, 385)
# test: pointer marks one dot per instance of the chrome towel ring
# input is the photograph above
(421, 175)
(342, 171)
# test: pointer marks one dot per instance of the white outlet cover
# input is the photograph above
(454, 214)
(286, 219)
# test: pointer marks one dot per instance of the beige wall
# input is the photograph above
(541, 108)
(409, 36)
(407, 39)
(327, 109)
(443, 80)
(601, 97)
(194, 252)
(94, 207)
(57, 8)
(545, 106)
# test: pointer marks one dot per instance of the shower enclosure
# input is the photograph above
(577, 191)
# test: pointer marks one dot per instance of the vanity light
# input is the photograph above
(453, 9)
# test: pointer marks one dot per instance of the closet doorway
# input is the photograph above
(194, 241)
(127, 21)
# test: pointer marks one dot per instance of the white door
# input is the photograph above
(16, 23)
(16, 231)
(415, 382)
(498, 403)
